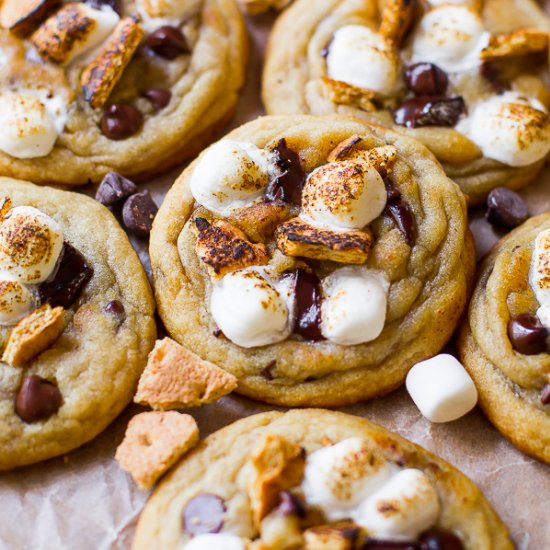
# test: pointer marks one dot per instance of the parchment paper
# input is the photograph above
(84, 501)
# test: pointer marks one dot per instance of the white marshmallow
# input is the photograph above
(354, 305)
(539, 276)
(30, 245)
(338, 478)
(361, 57)
(343, 196)
(452, 37)
(16, 301)
(252, 310)
(231, 175)
(441, 388)
(216, 541)
(28, 128)
(402, 509)
(509, 128)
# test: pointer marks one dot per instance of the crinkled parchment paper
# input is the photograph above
(84, 501)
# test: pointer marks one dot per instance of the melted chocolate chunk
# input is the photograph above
(37, 399)
(287, 187)
(308, 305)
(291, 505)
(373, 544)
(440, 539)
(393, 194)
(429, 111)
(402, 215)
(120, 121)
(167, 42)
(490, 72)
(114, 188)
(72, 275)
(116, 309)
(267, 372)
(158, 97)
(545, 394)
(505, 208)
(426, 79)
(203, 514)
(138, 213)
(527, 335)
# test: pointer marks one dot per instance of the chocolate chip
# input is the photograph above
(72, 275)
(114, 188)
(267, 372)
(545, 394)
(167, 42)
(116, 309)
(440, 539)
(120, 121)
(505, 208)
(291, 505)
(217, 332)
(287, 187)
(426, 79)
(139, 212)
(37, 399)
(159, 97)
(527, 335)
(401, 214)
(429, 111)
(308, 305)
(373, 544)
(100, 4)
(393, 194)
(491, 73)
(203, 514)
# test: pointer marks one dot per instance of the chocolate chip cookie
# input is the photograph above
(465, 78)
(503, 343)
(76, 321)
(315, 259)
(134, 87)
(316, 479)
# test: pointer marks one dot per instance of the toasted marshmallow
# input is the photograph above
(354, 305)
(338, 478)
(251, 309)
(361, 57)
(16, 302)
(450, 36)
(509, 128)
(216, 541)
(231, 175)
(539, 276)
(441, 388)
(402, 509)
(343, 196)
(30, 245)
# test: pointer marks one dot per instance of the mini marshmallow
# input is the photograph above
(16, 302)
(509, 128)
(339, 477)
(28, 128)
(354, 305)
(216, 541)
(441, 388)
(231, 175)
(403, 508)
(361, 57)
(539, 275)
(250, 309)
(452, 37)
(30, 245)
(343, 196)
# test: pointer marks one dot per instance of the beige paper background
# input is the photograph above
(84, 501)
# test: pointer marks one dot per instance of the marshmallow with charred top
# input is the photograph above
(539, 275)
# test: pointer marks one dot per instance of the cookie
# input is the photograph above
(316, 479)
(315, 259)
(76, 321)
(503, 343)
(465, 78)
(131, 87)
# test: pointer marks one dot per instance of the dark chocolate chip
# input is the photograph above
(139, 212)
(426, 79)
(167, 42)
(287, 187)
(308, 305)
(116, 309)
(291, 505)
(72, 275)
(401, 214)
(100, 4)
(545, 394)
(217, 332)
(429, 111)
(267, 372)
(203, 514)
(120, 121)
(491, 73)
(393, 194)
(505, 208)
(159, 97)
(527, 335)
(114, 188)
(373, 544)
(440, 539)
(37, 399)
